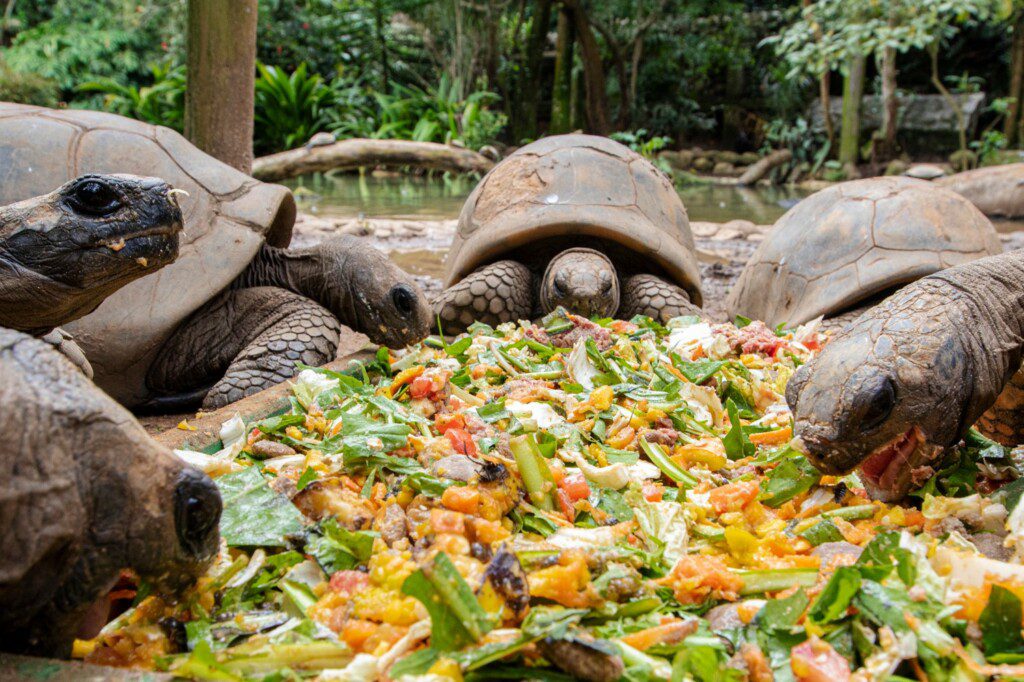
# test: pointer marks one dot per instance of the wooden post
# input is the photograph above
(853, 90)
(221, 76)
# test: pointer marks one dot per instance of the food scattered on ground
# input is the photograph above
(581, 500)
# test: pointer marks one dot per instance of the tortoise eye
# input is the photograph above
(404, 300)
(94, 197)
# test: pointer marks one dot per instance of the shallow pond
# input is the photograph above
(437, 197)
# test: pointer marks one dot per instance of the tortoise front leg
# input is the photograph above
(652, 296)
(243, 341)
(496, 293)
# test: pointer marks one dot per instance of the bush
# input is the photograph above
(289, 108)
(162, 103)
(26, 88)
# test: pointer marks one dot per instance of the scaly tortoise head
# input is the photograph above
(63, 253)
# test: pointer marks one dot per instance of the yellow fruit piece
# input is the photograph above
(405, 376)
(293, 432)
(446, 667)
(742, 544)
(185, 426)
(601, 398)
(83, 647)
(694, 454)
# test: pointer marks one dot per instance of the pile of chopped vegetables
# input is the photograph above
(581, 500)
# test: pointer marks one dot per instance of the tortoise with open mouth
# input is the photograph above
(576, 221)
(912, 374)
(84, 493)
(238, 309)
(835, 254)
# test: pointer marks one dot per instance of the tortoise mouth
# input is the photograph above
(892, 469)
(120, 240)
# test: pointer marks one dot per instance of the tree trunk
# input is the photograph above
(561, 94)
(359, 153)
(824, 86)
(382, 47)
(853, 90)
(6, 21)
(528, 92)
(1016, 91)
(221, 75)
(958, 112)
(886, 149)
(764, 166)
(596, 108)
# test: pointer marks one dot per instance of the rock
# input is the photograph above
(897, 167)
(724, 168)
(963, 159)
(703, 164)
(747, 158)
(677, 160)
(925, 171)
(727, 157)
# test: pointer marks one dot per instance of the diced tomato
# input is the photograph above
(565, 504)
(349, 582)
(443, 422)
(461, 441)
(812, 343)
(653, 491)
(575, 486)
(421, 387)
(816, 661)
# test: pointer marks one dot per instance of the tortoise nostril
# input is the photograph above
(197, 508)
(404, 300)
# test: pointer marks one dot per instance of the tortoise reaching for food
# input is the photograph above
(575, 221)
(84, 493)
(853, 243)
(64, 252)
(237, 310)
(911, 375)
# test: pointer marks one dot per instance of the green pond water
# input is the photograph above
(437, 197)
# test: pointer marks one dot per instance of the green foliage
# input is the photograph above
(290, 108)
(988, 146)
(809, 147)
(438, 115)
(641, 142)
(114, 39)
(161, 103)
(26, 88)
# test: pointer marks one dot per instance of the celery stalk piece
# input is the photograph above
(534, 471)
(660, 459)
(757, 582)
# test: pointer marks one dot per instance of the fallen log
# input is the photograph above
(358, 153)
(761, 168)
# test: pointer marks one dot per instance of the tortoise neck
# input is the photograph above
(306, 272)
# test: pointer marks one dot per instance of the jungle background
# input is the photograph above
(735, 75)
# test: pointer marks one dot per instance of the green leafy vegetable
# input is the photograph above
(457, 619)
(791, 478)
(338, 548)
(254, 515)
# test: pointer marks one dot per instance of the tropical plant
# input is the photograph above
(641, 142)
(809, 147)
(290, 108)
(161, 103)
(439, 115)
(988, 146)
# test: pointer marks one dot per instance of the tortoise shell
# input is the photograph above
(995, 190)
(574, 190)
(856, 240)
(227, 217)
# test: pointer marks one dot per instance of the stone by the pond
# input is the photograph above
(926, 171)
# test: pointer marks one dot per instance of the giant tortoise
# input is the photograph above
(575, 221)
(84, 494)
(911, 375)
(997, 191)
(855, 242)
(237, 310)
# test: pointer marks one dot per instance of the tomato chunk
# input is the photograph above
(349, 582)
(575, 486)
(421, 387)
(461, 441)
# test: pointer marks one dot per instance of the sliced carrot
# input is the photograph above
(777, 437)
(666, 633)
(462, 498)
(405, 376)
